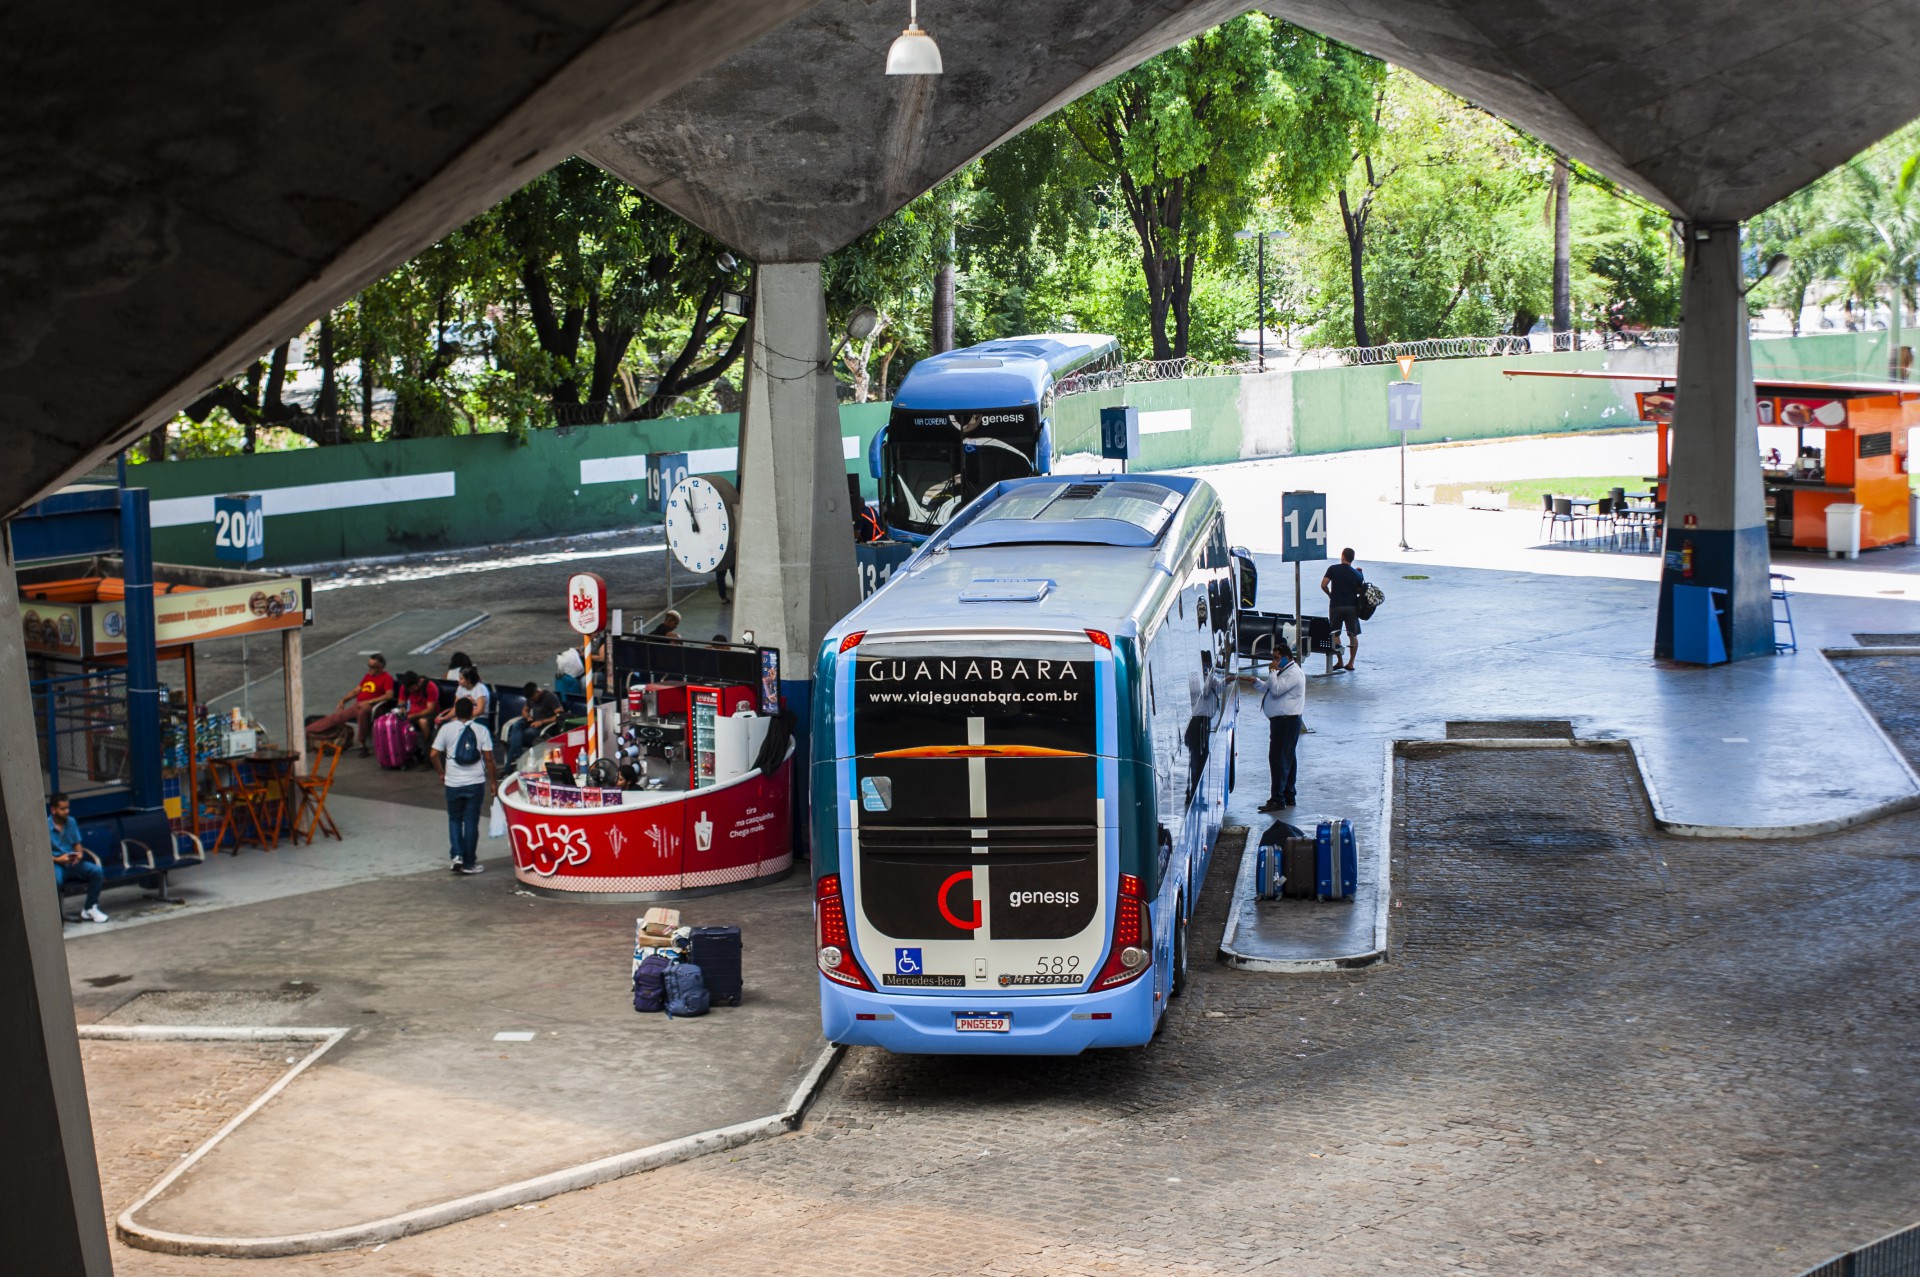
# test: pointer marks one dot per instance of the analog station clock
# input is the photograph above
(703, 522)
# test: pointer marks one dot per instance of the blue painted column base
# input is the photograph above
(1735, 561)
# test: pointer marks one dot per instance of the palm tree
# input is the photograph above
(1882, 218)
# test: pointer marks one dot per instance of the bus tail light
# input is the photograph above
(1132, 951)
(1101, 638)
(835, 953)
(852, 640)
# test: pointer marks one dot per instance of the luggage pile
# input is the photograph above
(683, 970)
(1293, 865)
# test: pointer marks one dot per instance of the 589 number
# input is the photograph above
(1057, 965)
(239, 528)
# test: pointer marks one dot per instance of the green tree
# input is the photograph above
(1191, 139)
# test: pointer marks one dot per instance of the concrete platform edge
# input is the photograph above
(1244, 879)
(373, 1232)
(1382, 901)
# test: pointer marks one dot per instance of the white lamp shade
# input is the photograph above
(913, 53)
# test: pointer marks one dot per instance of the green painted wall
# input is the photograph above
(507, 492)
(503, 491)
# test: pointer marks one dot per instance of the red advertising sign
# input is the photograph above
(735, 833)
(586, 603)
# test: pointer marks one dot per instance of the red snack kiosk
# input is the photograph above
(674, 806)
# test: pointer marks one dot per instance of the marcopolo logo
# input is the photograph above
(1017, 898)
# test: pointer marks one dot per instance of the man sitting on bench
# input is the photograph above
(70, 858)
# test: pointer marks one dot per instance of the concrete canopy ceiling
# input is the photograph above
(796, 145)
(182, 187)
(1713, 109)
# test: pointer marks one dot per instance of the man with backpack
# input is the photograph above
(1344, 585)
(463, 755)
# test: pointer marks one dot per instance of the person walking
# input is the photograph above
(1343, 585)
(1283, 699)
(69, 857)
(463, 755)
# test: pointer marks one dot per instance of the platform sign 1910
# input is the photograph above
(239, 528)
(1303, 527)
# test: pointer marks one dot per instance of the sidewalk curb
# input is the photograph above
(373, 1232)
(1382, 903)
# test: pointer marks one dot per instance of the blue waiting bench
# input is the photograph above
(135, 848)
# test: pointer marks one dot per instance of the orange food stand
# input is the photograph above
(1850, 446)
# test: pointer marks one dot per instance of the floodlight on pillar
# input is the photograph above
(913, 52)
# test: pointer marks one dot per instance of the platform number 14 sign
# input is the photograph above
(1303, 523)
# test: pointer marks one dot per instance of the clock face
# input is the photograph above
(699, 524)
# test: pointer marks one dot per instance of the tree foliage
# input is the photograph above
(1189, 141)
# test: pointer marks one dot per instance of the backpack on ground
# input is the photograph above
(650, 983)
(466, 751)
(686, 990)
(1371, 598)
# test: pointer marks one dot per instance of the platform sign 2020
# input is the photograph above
(239, 528)
(1303, 526)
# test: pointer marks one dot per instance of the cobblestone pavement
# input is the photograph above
(1597, 1050)
(154, 1102)
(1890, 685)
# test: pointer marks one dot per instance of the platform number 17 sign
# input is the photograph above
(1303, 524)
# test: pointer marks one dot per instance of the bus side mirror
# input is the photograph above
(874, 452)
(1043, 450)
(1248, 574)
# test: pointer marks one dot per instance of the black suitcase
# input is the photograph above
(716, 950)
(1298, 867)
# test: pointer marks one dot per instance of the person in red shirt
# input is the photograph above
(422, 696)
(361, 705)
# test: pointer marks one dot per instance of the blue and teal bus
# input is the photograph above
(967, 419)
(1023, 749)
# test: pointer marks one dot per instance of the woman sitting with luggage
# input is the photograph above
(470, 689)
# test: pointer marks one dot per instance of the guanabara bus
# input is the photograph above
(1023, 746)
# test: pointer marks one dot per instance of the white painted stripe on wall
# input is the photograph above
(307, 498)
(1162, 423)
(631, 469)
(713, 460)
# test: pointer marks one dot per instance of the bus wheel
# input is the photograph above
(1177, 982)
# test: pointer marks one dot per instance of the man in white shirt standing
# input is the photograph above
(1283, 699)
(463, 755)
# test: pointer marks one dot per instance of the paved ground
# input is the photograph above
(1598, 1050)
(421, 1103)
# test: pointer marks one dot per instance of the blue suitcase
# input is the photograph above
(1336, 865)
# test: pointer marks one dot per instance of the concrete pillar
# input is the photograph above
(1716, 512)
(795, 575)
(52, 1221)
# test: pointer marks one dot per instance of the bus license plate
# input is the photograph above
(982, 1023)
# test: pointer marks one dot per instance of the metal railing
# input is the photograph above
(1284, 360)
(1895, 1255)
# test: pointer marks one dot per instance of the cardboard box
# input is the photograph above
(654, 930)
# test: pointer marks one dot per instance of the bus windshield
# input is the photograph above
(936, 462)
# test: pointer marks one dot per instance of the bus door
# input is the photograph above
(980, 853)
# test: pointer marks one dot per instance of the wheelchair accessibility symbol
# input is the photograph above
(906, 961)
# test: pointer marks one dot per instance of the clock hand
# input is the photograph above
(693, 519)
